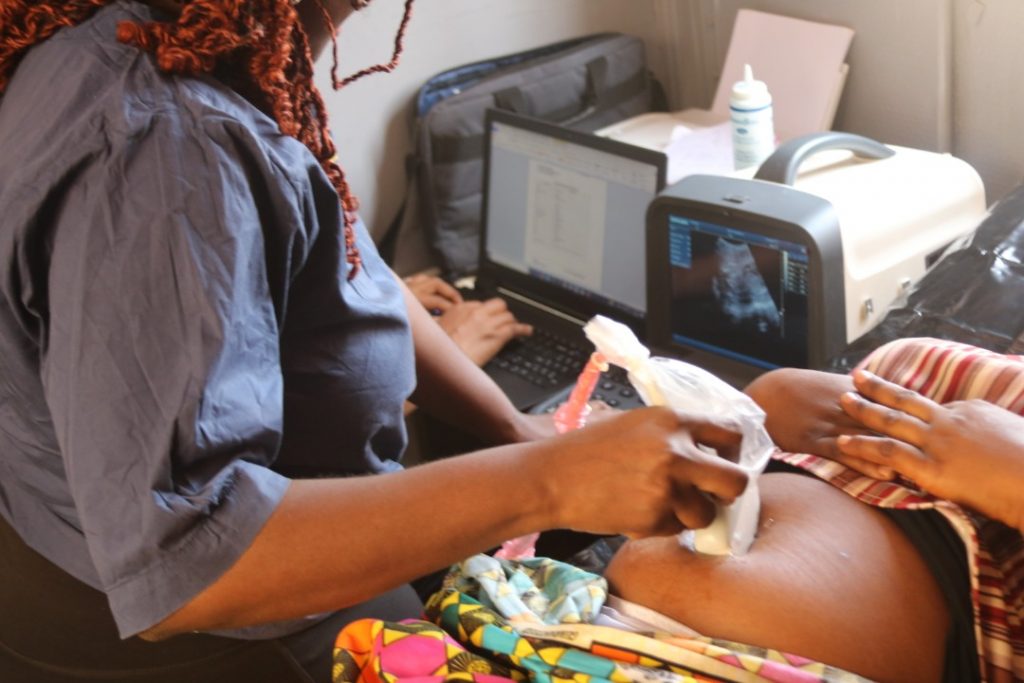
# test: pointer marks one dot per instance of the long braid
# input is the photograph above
(378, 68)
(337, 175)
(265, 37)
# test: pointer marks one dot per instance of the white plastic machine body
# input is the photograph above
(834, 227)
(896, 216)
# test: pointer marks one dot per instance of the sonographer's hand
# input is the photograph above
(481, 329)
(641, 473)
(436, 295)
(803, 414)
(969, 452)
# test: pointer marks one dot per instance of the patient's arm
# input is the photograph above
(803, 415)
(827, 578)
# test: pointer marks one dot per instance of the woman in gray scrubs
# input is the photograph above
(201, 350)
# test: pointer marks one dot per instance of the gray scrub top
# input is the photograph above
(176, 324)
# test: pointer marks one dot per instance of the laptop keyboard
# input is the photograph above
(543, 359)
(615, 389)
(548, 361)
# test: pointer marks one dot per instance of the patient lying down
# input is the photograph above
(839, 581)
(828, 577)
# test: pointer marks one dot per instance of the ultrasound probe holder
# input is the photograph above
(872, 219)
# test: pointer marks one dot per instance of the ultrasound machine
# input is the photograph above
(783, 269)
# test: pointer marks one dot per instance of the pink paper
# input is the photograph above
(802, 62)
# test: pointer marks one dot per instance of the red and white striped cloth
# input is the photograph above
(948, 371)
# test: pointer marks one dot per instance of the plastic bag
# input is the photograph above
(670, 382)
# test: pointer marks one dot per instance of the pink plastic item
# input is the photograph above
(570, 415)
(573, 413)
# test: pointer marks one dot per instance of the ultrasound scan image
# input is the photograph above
(730, 296)
(740, 289)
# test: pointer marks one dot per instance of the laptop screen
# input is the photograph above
(567, 209)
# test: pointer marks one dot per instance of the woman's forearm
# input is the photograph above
(336, 542)
(452, 388)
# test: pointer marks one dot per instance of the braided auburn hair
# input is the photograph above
(263, 39)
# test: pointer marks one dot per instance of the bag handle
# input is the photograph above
(512, 99)
(598, 95)
(595, 93)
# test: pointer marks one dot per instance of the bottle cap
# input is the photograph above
(748, 91)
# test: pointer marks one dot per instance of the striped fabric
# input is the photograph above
(948, 371)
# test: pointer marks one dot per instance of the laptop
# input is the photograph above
(562, 240)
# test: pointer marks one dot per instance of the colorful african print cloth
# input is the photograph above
(500, 620)
(948, 371)
(531, 591)
(374, 651)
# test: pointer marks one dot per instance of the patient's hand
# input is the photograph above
(969, 452)
(481, 328)
(803, 415)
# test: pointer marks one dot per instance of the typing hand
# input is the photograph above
(435, 294)
(480, 329)
(969, 452)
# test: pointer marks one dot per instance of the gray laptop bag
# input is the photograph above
(584, 83)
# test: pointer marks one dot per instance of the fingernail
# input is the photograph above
(862, 375)
(843, 440)
(886, 473)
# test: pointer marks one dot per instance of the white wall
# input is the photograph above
(371, 118)
(988, 86)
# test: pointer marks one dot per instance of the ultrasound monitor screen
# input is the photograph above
(739, 294)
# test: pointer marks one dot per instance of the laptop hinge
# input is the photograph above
(536, 304)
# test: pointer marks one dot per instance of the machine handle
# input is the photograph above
(783, 164)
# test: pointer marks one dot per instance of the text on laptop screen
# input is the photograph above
(569, 214)
(738, 294)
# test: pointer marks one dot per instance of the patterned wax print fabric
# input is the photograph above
(374, 651)
(946, 371)
(534, 591)
(489, 630)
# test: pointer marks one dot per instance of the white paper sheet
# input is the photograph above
(702, 150)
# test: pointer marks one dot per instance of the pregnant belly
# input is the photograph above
(828, 578)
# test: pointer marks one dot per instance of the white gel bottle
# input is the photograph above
(753, 132)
